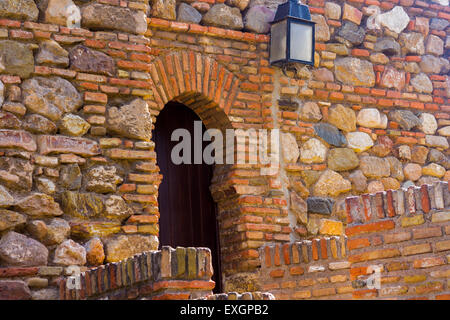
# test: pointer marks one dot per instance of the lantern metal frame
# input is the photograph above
(293, 12)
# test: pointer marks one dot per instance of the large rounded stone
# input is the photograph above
(97, 16)
(103, 179)
(322, 30)
(21, 251)
(132, 120)
(70, 177)
(223, 16)
(82, 205)
(50, 97)
(16, 174)
(375, 186)
(95, 253)
(428, 123)
(390, 183)
(388, 46)
(85, 59)
(393, 78)
(412, 171)
(332, 184)
(405, 118)
(187, 13)
(395, 20)
(58, 12)
(50, 52)
(433, 169)
(313, 151)
(9, 121)
(9, 220)
(19, 9)
(14, 289)
(396, 168)
(359, 181)
(422, 83)
(17, 58)
(36, 123)
(164, 9)
(343, 118)
(412, 43)
(125, 246)
(258, 19)
(289, 148)
(354, 71)
(310, 111)
(117, 209)
(352, 33)
(372, 118)
(38, 205)
(330, 134)
(419, 154)
(434, 45)
(342, 159)
(431, 64)
(359, 141)
(57, 231)
(383, 146)
(374, 167)
(70, 253)
(445, 131)
(241, 4)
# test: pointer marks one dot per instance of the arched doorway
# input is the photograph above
(187, 210)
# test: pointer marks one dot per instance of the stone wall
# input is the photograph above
(403, 235)
(78, 171)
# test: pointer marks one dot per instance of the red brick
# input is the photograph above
(370, 227)
(278, 273)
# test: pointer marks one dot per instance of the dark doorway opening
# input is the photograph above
(188, 212)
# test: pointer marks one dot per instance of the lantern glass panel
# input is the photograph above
(301, 42)
(278, 41)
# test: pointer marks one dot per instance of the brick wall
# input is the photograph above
(404, 235)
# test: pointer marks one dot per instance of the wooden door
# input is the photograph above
(188, 212)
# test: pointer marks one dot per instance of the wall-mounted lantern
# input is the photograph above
(292, 35)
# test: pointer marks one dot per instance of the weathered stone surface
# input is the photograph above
(352, 33)
(433, 169)
(434, 45)
(320, 205)
(372, 118)
(374, 167)
(17, 139)
(21, 251)
(388, 46)
(393, 78)
(412, 67)
(438, 157)
(117, 209)
(383, 146)
(438, 24)
(16, 173)
(258, 18)
(131, 120)
(223, 16)
(95, 253)
(412, 171)
(45, 294)
(297, 185)
(359, 141)
(330, 134)
(323, 74)
(431, 64)
(299, 207)
(57, 12)
(50, 97)
(445, 131)
(19, 9)
(343, 118)
(332, 184)
(122, 247)
(70, 253)
(9, 121)
(436, 141)
(103, 179)
(6, 199)
(164, 9)
(412, 43)
(404, 152)
(14, 289)
(38, 205)
(313, 151)
(322, 29)
(9, 220)
(17, 58)
(422, 83)
(352, 14)
(405, 118)
(310, 111)
(60, 144)
(36, 123)
(88, 229)
(333, 10)
(82, 205)
(189, 14)
(289, 148)
(96, 16)
(241, 4)
(428, 123)
(396, 168)
(395, 20)
(73, 125)
(57, 231)
(342, 159)
(375, 186)
(359, 181)
(70, 177)
(419, 154)
(379, 58)
(390, 183)
(85, 59)
(354, 71)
